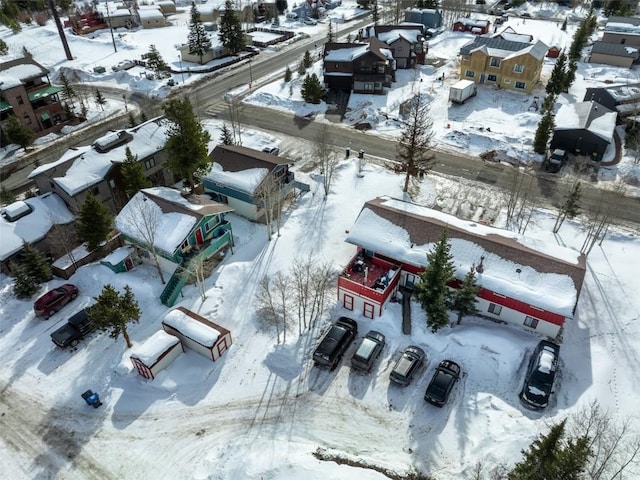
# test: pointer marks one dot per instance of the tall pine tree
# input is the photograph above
(68, 93)
(94, 223)
(311, 90)
(463, 300)
(35, 264)
(431, 288)
(187, 141)
(231, 34)
(99, 99)
(155, 62)
(112, 312)
(556, 82)
(17, 133)
(226, 137)
(543, 132)
(133, 174)
(198, 39)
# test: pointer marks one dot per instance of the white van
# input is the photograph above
(291, 16)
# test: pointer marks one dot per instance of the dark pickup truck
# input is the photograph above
(335, 342)
(76, 327)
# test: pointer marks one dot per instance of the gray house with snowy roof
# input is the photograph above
(406, 42)
(616, 54)
(95, 168)
(623, 31)
(584, 128)
(624, 98)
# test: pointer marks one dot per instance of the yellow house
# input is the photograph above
(504, 63)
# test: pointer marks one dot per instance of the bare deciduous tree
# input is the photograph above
(270, 198)
(312, 281)
(614, 447)
(267, 309)
(521, 201)
(600, 220)
(235, 109)
(63, 239)
(328, 159)
(144, 217)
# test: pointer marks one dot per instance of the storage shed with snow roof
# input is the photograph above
(156, 354)
(197, 333)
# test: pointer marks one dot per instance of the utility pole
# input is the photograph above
(113, 39)
(56, 18)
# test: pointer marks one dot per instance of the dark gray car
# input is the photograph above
(541, 375)
(368, 350)
(442, 383)
(408, 364)
(335, 342)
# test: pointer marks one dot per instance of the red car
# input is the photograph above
(52, 301)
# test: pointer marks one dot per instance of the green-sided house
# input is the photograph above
(182, 230)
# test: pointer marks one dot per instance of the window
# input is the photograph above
(112, 184)
(210, 224)
(495, 62)
(495, 309)
(150, 163)
(26, 120)
(492, 78)
(347, 302)
(531, 322)
(469, 74)
(95, 191)
(518, 68)
(399, 49)
(521, 85)
(20, 100)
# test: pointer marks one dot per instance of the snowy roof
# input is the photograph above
(629, 26)
(348, 54)
(391, 36)
(590, 116)
(499, 47)
(246, 181)
(164, 216)
(549, 278)
(150, 12)
(118, 255)
(472, 22)
(154, 347)
(614, 49)
(46, 209)
(91, 167)
(190, 326)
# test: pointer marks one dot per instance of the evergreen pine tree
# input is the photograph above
(111, 312)
(187, 141)
(155, 62)
(463, 300)
(7, 196)
(330, 34)
(94, 223)
(198, 40)
(569, 76)
(281, 6)
(133, 174)
(550, 457)
(4, 48)
(570, 208)
(556, 82)
(99, 99)
(132, 120)
(226, 137)
(231, 34)
(431, 288)
(68, 93)
(287, 74)
(24, 286)
(301, 68)
(307, 60)
(35, 264)
(543, 132)
(548, 104)
(564, 25)
(17, 133)
(311, 90)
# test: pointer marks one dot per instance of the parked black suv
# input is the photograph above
(540, 375)
(407, 365)
(76, 327)
(442, 383)
(335, 342)
(368, 350)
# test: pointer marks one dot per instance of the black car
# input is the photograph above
(70, 333)
(368, 350)
(442, 383)
(556, 160)
(410, 361)
(335, 342)
(540, 375)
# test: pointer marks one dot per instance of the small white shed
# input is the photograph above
(197, 333)
(156, 353)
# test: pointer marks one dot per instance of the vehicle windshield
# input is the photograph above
(439, 386)
(366, 348)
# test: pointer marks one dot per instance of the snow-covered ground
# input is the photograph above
(262, 410)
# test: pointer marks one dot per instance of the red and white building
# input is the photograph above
(521, 283)
(155, 354)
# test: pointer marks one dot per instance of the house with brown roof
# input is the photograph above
(520, 283)
(178, 231)
(360, 67)
(27, 94)
(241, 177)
(473, 25)
(503, 63)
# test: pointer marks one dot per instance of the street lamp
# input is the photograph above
(181, 72)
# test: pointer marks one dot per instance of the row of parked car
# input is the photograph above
(77, 327)
(535, 394)
(333, 345)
